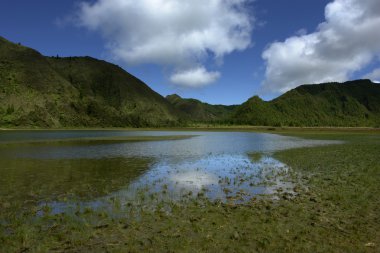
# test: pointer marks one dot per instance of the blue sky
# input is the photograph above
(221, 52)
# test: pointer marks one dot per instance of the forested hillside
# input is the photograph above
(354, 103)
(194, 110)
(54, 92)
(77, 91)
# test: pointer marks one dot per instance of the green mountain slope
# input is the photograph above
(77, 91)
(354, 103)
(197, 111)
(85, 92)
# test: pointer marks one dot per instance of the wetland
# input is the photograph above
(189, 190)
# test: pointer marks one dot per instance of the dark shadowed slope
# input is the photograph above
(195, 110)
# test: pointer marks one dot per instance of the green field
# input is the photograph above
(334, 208)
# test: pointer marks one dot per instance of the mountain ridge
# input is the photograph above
(54, 92)
(198, 111)
(352, 103)
(74, 91)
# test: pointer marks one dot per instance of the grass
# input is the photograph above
(334, 208)
(342, 186)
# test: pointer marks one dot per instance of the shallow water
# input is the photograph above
(215, 165)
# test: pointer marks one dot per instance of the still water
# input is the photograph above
(216, 165)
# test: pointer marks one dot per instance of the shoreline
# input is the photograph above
(210, 128)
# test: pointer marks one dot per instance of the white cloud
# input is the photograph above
(346, 42)
(177, 33)
(374, 75)
(196, 77)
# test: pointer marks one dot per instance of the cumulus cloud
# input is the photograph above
(175, 33)
(196, 77)
(346, 42)
(374, 75)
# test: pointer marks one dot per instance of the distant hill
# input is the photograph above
(197, 111)
(353, 103)
(77, 91)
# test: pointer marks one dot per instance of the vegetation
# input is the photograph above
(333, 208)
(194, 110)
(56, 92)
(74, 91)
(350, 104)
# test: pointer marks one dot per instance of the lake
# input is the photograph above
(60, 175)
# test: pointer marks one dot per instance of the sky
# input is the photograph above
(217, 51)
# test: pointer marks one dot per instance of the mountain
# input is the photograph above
(76, 91)
(40, 91)
(197, 111)
(349, 104)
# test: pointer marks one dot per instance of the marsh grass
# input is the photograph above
(334, 207)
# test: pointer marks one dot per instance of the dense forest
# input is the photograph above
(349, 104)
(194, 110)
(76, 91)
(53, 92)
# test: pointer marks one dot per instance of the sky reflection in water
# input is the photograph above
(214, 164)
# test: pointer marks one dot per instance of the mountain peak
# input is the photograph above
(74, 91)
(172, 96)
(83, 91)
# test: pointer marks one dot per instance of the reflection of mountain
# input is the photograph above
(84, 179)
